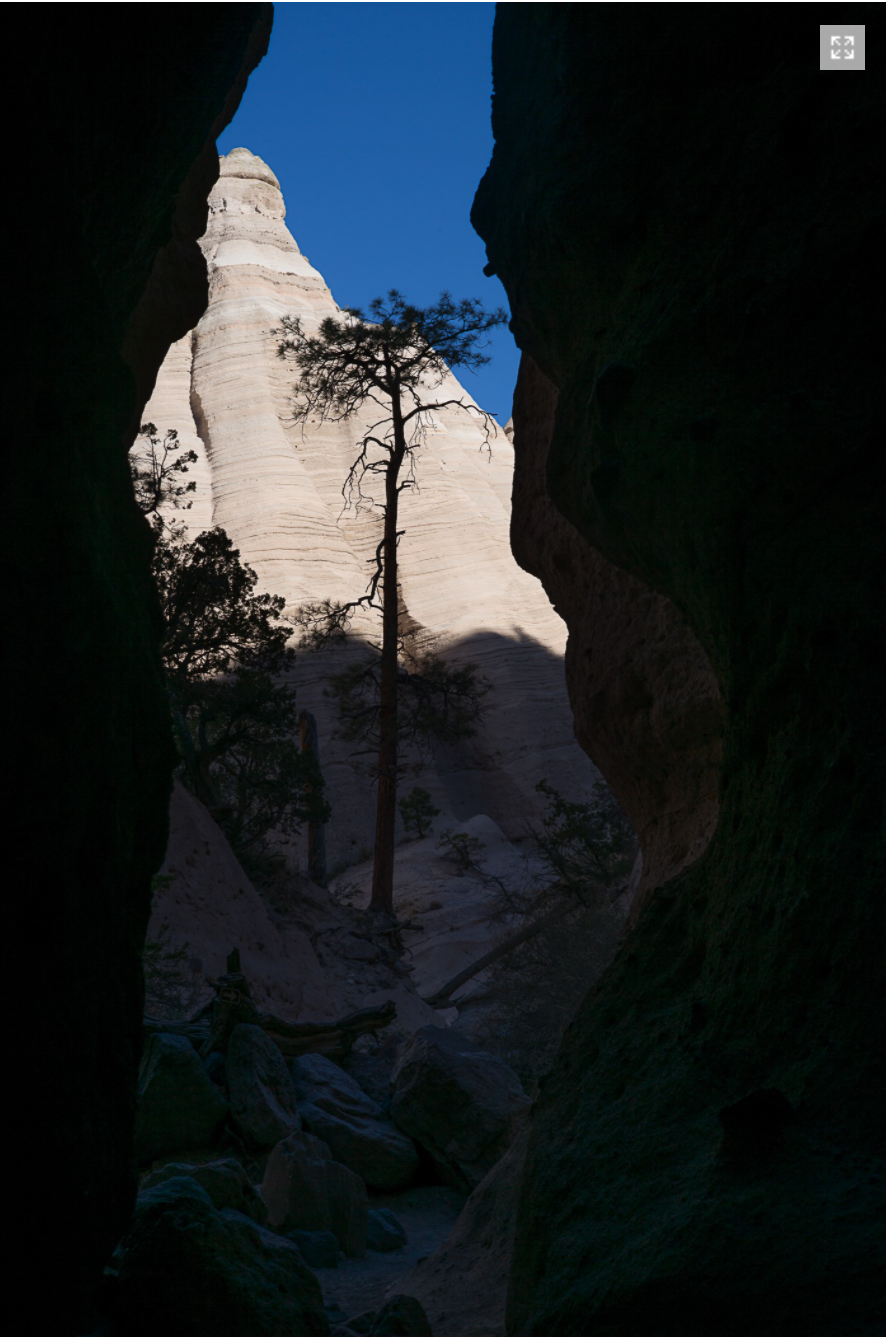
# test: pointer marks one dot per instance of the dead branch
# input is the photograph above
(441, 999)
(211, 1028)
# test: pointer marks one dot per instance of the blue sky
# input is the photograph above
(375, 118)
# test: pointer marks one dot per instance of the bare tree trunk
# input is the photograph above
(382, 899)
(307, 724)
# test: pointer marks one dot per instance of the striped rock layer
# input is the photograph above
(276, 488)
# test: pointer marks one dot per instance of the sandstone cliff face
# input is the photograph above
(113, 122)
(276, 488)
(707, 1153)
(647, 707)
(169, 406)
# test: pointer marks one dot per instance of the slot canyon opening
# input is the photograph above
(498, 936)
(704, 1154)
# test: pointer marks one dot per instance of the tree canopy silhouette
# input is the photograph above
(156, 474)
(398, 359)
(225, 656)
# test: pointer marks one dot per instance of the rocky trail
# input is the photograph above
(360, 1285)
(304, 1177)
(345, 1150)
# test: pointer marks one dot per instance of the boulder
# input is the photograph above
(207, 899)
(178, 1105)
(186, 1269)
(401, 1315)
(320, 1250)
(266, 1236)
(294, 1186)
(216, 1069)
(463, 1105)
(335, 1109)
(224, 1181)
(384, 1232)
(262, 1098)
(348, 1207)
(304, 1188)
(372, 1070)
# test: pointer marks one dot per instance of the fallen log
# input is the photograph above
(334, 1040)
(211, 1028)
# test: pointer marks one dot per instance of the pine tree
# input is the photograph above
(398, 359)
(226, 659)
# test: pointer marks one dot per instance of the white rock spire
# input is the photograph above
(276, 488)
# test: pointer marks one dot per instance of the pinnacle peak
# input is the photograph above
(244, 163)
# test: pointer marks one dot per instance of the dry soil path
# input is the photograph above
(360, 1284)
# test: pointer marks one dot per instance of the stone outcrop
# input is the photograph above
(116, 123)
(178, 1105)
(335, 1109)
(463, 1105)
(185, 1268)
(384, 1232)
(400, 1315)
(647, 705)
(706, 1155)
(224, 1181)
(454, 914)
(304, 1188)
(294, 963)
(169, 398)
(276, 489)
(263, 1105)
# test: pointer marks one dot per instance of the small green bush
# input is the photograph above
(588, 848)
(417, 811)
(345, 891)
(464, 849)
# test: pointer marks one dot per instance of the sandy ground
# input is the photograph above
(358, 1285)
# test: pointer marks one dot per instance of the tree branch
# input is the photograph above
(441, 999)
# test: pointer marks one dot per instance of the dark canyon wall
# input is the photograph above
(687, 222)
(646, 702)
(111, 116)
